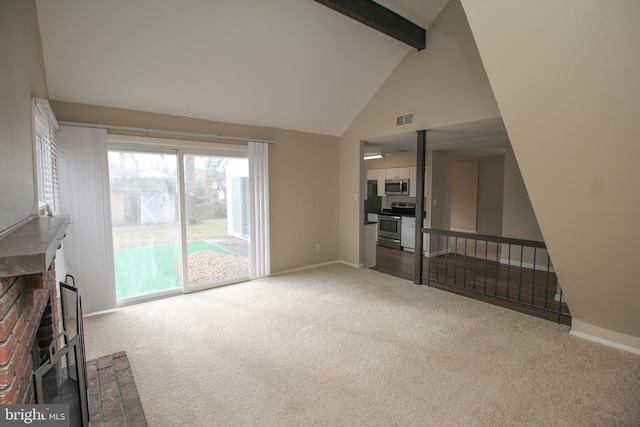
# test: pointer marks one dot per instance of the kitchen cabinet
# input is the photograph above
(377, 175)
(372, 217)
(408, 233)
(413, 172)
(370, 245)
(381, 178)
(397, 173)
(394, 173)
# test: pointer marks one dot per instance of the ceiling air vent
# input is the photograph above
(408, 118)
(404, 119)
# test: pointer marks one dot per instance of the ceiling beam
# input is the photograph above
(376, 16)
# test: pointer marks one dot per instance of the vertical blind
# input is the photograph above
(259, 185)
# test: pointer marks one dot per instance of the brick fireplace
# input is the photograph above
(25, 302)
(29, 304)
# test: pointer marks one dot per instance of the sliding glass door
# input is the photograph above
(145, 222)
(180, 221)
(216, 220)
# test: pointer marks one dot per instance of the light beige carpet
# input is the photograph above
(342, 346)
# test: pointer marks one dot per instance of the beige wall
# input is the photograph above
(440, 163)
(464, 195)
(490, 189)
(303, 178)
(565, 75)
(22, 76)
(395, 161)
(443, 84)
(490, 195)
(518, 218)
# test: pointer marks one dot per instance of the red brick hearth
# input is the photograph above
(23, 302)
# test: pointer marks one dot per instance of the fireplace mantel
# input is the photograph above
(31, 248)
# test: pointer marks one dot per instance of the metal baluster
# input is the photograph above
(521, 272)
(533, 278)
(475, 261)
(546, 291)
(464, 265)
(509, 271)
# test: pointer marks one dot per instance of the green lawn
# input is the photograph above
(157, 234)
(148, 269)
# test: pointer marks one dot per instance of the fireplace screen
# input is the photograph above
(61, 377)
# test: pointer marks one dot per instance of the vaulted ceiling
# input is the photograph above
(293, 64)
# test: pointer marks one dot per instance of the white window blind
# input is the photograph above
(46, 157)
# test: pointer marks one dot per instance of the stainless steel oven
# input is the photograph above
(389, 229)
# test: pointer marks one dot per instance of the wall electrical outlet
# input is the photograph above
(317, 246)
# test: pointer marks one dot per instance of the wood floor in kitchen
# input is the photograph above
(505, 286)
(398, 263)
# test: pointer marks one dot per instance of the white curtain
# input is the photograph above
(259, 185)
(84, 196)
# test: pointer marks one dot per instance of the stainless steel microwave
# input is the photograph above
(396, 186)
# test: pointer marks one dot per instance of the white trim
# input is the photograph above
(146, 142)
(148, 297)
(436, 254)
(45, 104)
(212, 285)
(182, 219)
(101, 312)
(605, 336)
(351, 264)
(529, 265)
(166, 132)
(309, 267)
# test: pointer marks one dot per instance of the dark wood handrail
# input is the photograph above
(486, 237)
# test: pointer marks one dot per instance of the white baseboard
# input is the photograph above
(529, 265)
(309, 267)
(435, 254)
(101, 312)
(605, 336)
(350, 264)
(557, 298)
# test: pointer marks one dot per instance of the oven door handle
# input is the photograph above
(389, 217)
